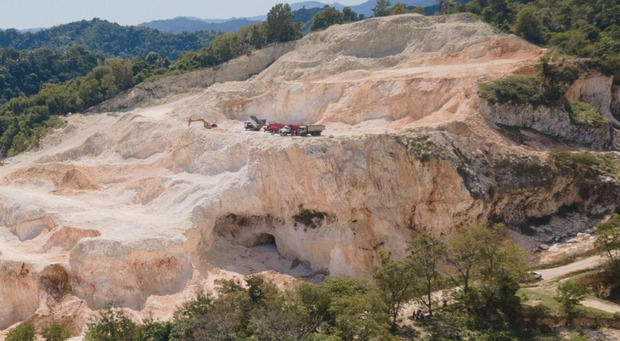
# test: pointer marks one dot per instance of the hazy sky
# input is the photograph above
(44, 13)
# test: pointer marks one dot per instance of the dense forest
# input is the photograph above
(110, 39)
(22, 73)
(581, 28)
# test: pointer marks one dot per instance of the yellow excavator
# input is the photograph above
(208, 125)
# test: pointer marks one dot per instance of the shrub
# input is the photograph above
(516, 89)
(569, 295)
(574, 160)
(584, 113)
(56, 332)
(24, 332)
(111, 325)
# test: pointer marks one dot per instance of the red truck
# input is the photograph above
(276, 127)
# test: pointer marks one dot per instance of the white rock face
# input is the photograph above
(139, 210)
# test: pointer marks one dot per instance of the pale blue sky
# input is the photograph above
(44, 13)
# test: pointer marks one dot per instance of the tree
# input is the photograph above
(608, 238)
(398, 8)
(463, 256)
(418, 10)
(396, 282)
(349, 15)
(25, 332)
(382, 8)
(529, 26)
(111, 325)
(448, 7)
(56, 332)
(325, 18)
(426, 254)
(569, 295)
(280, 25)
(500, 266)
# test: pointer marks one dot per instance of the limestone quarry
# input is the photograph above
(129, 206)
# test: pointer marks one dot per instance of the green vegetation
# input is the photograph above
(24, 332)
(584, 113)
(56, 332)
(608, 244)
(111, 325)
(345, 309)
(482, 263)
(110, 39)
(575, 27)
(419, 146)
(570, 293)
(22, 73)
(382, 8)
(331, 16)
(24, 120)
(516, 89)
(546, 88)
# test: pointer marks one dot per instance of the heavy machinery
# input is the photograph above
(207, 125)
(302, 130)
(254, 124)
(312, 129)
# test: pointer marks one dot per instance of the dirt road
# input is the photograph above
(584, 264)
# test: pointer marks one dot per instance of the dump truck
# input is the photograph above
(312, 129)
(289, 129)
(254, 124)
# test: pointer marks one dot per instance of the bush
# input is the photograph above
(111, 325)
(327, 17)
(574, 160)
(569, 295)
(56, 332)
(24, 332)
(517, 89)
(584, 113)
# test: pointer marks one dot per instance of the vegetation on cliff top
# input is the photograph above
(575, 27)
(546, 88)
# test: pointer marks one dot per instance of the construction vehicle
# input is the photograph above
(274, 127)
(207, 125)
(312, 129)
(254, 124)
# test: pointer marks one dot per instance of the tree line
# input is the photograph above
(22, 73)
(109, 39)
(575, 27)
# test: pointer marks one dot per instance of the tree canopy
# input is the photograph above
(109, 39)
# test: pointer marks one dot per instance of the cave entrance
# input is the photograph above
(265, 240)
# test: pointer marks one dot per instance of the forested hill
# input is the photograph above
(110, 39)
(23, 73)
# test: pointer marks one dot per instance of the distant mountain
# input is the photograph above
(366, 7)
(188, 24)
(108, 38)
(314, 4)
